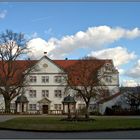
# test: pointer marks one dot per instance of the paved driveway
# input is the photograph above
(6, 117)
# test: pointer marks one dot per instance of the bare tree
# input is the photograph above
(131, 96)
(86, 78)
(13, 72)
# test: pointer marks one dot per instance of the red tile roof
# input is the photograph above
(67, 65)
(15, 74)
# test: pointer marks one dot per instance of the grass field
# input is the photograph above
(55, 124)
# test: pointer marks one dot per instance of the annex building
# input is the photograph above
(45, 92)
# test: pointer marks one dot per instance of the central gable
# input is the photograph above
(46, 65)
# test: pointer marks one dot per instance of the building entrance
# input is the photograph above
(45, 109)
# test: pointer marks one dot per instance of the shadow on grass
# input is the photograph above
(79, 119)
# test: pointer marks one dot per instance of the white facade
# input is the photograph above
(46, 92)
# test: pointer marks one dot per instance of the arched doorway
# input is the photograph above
(44, 106)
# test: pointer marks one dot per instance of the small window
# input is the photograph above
(32, 107)
(32, 79)
(108, 67)
(81, 106)
(45, 93)
(32, 93)
(108, 79)
(57, 93)
(58, 79)
(57, 106)
(45, 79)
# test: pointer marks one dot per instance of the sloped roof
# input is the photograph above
(44, 100)
(109, 98)
(19, 66)
(22, 99)
(65, 64)
(73, 67)
(69, 99)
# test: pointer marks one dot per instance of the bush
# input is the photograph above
(95, 113)
(120, 111)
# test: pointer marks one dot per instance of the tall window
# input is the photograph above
(32, 79)
(12, 106)
(32, 107)
(45, 93)
(57, 106)
(32, 93)
(81, 106)
(58, 79)
(45, 79)
(57, 93)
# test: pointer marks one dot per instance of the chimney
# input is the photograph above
(45, 53)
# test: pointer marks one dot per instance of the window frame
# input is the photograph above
(57, 79)
(46, 94)
(32, 79)
(32, 93)
(57, 93)
(45, 79)
(32, 107)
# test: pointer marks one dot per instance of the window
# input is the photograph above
(32, 93)
(58, 79)
(108, 67)
(45, 79)
(32, 79)
(45, 93)
(12, 106)
(57, 106)
(57, 93)
(108, 78)
(32, 107)
(81, 106)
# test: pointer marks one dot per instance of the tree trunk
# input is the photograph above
(86, 111)
(7, 105)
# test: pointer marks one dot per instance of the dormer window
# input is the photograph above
(108, 66)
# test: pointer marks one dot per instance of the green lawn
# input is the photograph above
(55, 124)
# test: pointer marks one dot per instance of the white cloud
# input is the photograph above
(38, 46)
(129, 83)
(94, 38)
(135, 70)
(3, 14)
(119, 55)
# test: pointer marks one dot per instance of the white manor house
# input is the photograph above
(45, 92)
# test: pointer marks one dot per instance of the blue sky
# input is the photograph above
(60, 28)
